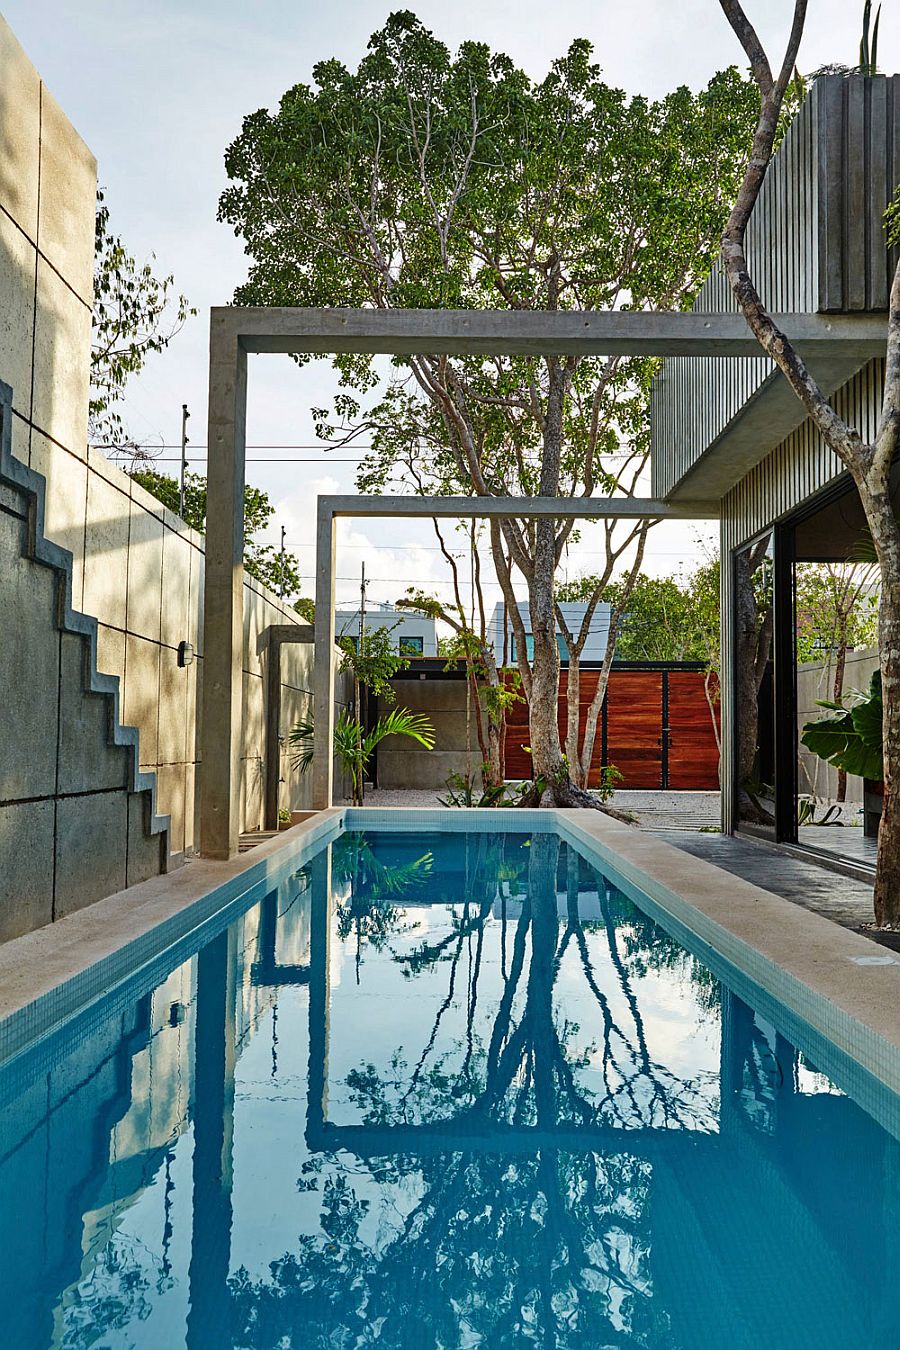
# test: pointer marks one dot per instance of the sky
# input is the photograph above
(158, 89)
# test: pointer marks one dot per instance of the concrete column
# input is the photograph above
(323, 675)
(223, 614)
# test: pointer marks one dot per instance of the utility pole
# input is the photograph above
(184, 444)
(362, 610)
(281, 567)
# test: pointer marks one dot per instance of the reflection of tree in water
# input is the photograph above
(368, 891)
(528, 1222)
(647, 947)
(114, 1296)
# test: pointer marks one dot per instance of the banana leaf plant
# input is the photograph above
(354, 746)
(852, 740)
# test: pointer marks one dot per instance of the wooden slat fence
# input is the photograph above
(656, 728)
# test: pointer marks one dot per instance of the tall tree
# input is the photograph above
(869, 463)
(663, 619)
(423, 179)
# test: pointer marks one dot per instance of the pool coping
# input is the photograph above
(804, 961)
(55, 972)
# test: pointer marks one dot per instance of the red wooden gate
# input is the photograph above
(656, 727)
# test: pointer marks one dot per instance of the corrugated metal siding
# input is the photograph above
(815, 243)
(800, 466)
(796, 470)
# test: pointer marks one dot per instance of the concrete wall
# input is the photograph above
(137, 567)
(402, 763)
(814, 682)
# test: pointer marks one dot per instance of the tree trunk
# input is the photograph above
(887, 880)
(573, 712)
(494, 719)
(543, 707)
(596, 706)
(474, 695)
(493, 767)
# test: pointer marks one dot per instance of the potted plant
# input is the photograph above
(852, 741)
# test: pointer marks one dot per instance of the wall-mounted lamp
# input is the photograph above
(185, 653)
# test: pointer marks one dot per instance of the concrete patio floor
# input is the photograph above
(837, 897)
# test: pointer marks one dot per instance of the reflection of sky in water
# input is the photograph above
(729, 1195)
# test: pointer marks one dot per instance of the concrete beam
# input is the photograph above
(536, 332)
(519, 508)
(235, 331)
(766, 419)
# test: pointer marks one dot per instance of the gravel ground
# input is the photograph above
(654, 810)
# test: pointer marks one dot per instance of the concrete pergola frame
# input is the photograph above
(234, 332)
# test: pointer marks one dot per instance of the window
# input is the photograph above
(411, 646)
(529, 648)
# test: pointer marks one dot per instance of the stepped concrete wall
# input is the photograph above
(137, 567)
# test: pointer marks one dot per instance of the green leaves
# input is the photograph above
(301, 736)
(399, 722)
(135, 314)
(852, 741)
(428, 179)
(353, 746)
(664, 619)
(836, 607)
(375, 661)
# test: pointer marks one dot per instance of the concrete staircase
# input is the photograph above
(78, 818)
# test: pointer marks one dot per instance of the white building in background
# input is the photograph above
(414, 634)
(594, 648)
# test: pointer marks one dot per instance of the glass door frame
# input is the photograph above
(784, 682)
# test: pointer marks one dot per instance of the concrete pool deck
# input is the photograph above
(804, 882)
(840, 982)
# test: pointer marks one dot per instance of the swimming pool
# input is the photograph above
(445, 1089)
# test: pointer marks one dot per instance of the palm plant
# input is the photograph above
(354, 746)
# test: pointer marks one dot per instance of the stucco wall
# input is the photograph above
(137, 567)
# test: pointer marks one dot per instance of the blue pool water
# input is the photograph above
(441, 1091)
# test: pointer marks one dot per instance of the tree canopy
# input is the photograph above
(664, 618)
(425, 178)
